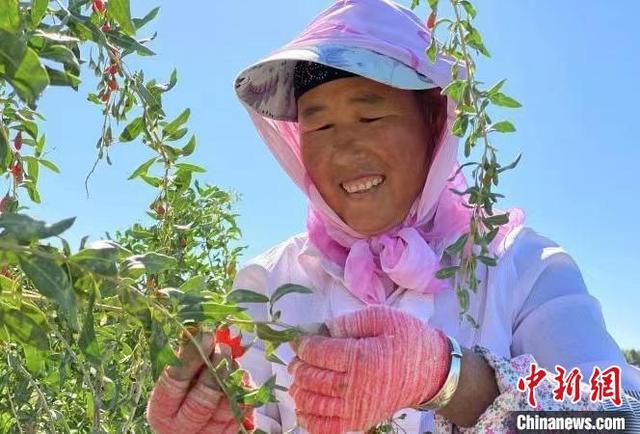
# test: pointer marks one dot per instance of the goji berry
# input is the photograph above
(247, 423)
(17, 142)
(431, 21)
(223, 336)
(112, 69)
(98, 6)
(104, 96)
(105, 27)
(16, 171)
(113, 84)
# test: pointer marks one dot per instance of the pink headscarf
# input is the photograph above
(409, 254)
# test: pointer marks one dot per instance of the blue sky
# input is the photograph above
(573, 65)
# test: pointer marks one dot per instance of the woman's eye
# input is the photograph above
(326, 127)
(369, 120)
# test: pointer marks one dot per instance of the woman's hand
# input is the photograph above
(377, 361)
(187, 399)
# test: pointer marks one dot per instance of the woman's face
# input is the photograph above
(367, 147)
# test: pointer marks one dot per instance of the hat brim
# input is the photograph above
(267, 86)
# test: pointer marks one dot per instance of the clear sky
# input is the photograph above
(573, 65)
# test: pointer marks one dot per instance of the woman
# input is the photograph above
(352, 110)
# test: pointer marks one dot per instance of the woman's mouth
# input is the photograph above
(363, 184)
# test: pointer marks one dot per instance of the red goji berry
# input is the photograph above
(104, 96)
(223, 336)
(431, 21)
(98, 6)
(105, 27)
(112, 69)
(17, 142)
(16, 171)
(247, 423)
(113, 84)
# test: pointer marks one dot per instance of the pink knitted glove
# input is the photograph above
(377, 361)
(188, 400)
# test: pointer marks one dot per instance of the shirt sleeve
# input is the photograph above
(560, 323)
(254, 278)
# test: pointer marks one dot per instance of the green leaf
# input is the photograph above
(503, 100)
(510, 166)
(38, 11)
(463, 299)
(49, 165)
(52, 282)
(133, 130)
(139, 22)
(503, 127)
(62, 78)
(246, 296)
(474, 39)
(128, 43)
(496, 87)
(262, 395)
(460, 125)
(190, 167)
(499, 219)
(469, 8)
(152, 262)
(487, 260)
(27, 325)
(5, 149)
(455, 89)
(9, 15)
(27, 229)
(433, 4)
(458, 245)
(120, 10)
(445, 273)
(175, 125)
(22, 67)
(276, 337)
(143, 168)
(195, 285)
(160, 351)
(100, 257)
(432, 51)
(189, 147)
(88, 342)
(60, 53)
(288, 288)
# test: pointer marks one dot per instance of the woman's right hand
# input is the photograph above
(188, 400)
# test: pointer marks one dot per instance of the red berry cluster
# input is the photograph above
(111, 83)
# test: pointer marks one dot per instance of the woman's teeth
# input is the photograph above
(361, 185)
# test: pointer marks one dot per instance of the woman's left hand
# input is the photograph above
(377, 361)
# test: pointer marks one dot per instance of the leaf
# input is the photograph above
(474, 39)
(5, 149)
(277, 337)
(499, 219)
(27, 229)
(487, 260)
(160, 351)
(503, 127)
(445, 273)
(22, 67)
(132, 130)
(52, 282)
(9, 15)
(458, 245)
(460, 125)
(469, 8)
(288, 289)
(60, 53)
(190, 168)
(62, 78)
(189, 147)
(503, 100)
(152, 262)
(87, 341)
(455, 89)
(128, 43)
(496, 87)
(27, 325)
(262, 395)
(246, 296)
(194, 285)
(38, 11)
(510, 166)
(143, 168)
(174, 125)
(100, 257)
(139, 22)
(433, 4)
(49, 165)
(120, 10)
(432, 51)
